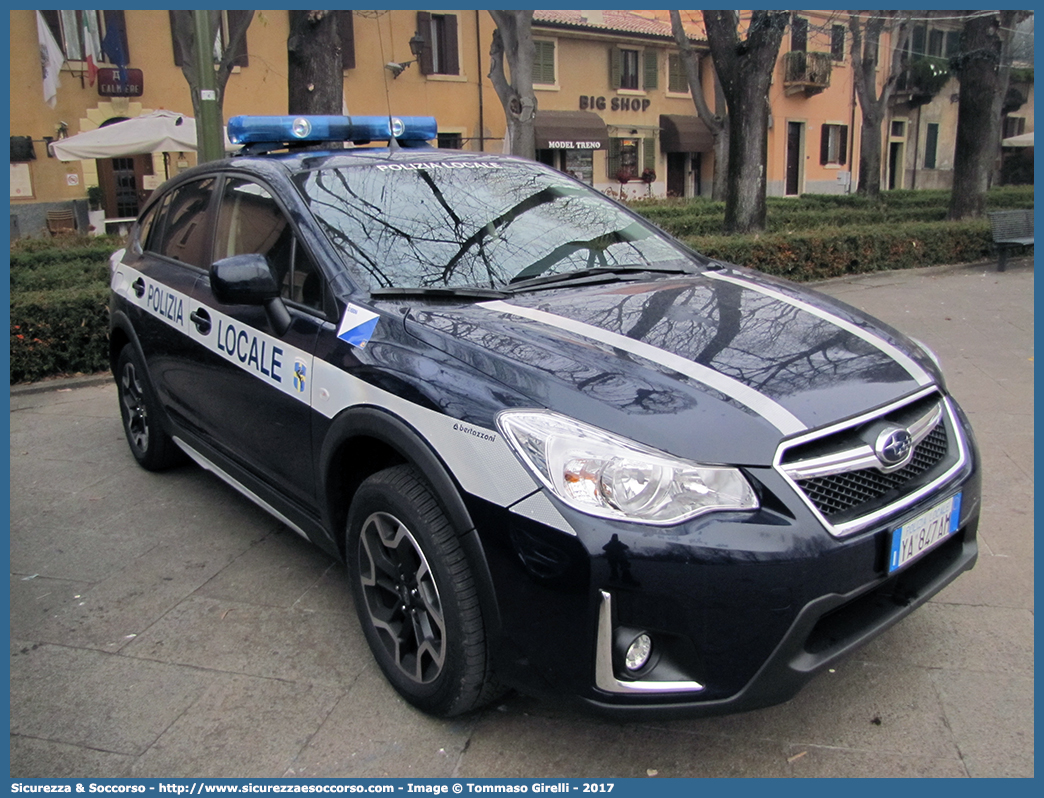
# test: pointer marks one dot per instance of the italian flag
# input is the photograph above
(91, 45)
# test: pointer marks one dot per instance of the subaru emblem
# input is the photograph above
(894, 447)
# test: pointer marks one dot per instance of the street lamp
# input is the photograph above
(417, 42)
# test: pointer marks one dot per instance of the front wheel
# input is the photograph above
(415, 595)
(151, 446)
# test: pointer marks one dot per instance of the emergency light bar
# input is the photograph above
(357, 129)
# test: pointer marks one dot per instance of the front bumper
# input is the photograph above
(745, 608)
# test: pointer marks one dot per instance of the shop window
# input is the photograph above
(577, 163)
(439, 51)
(833, 145)
(544, 62)
(931, 144)
(837, 42)
(628, 158)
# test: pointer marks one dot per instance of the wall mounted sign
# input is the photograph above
(110, 83)
(589, 103)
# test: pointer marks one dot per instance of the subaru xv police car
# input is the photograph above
(558, 450)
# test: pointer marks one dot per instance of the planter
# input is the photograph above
(96, 219)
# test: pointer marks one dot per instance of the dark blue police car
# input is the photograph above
(558, 450)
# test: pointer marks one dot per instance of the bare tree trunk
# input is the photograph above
(865, 41)
(717, 122)
(185, 34)
(1008, 21)
(744, 69)
(315, 76)
(513, 41)
(720, 181)
(977, 126)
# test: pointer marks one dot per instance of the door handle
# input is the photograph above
(139, 288)
(201, 319)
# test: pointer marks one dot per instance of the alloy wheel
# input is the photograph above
(402, 598)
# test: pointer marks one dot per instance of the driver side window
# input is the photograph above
(250, 221)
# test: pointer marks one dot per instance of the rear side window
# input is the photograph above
(250, 221)
(148, 224)
(181, 229)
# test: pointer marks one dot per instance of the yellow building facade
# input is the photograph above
(613, 106)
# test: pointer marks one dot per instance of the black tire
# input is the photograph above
(151, 446)
(415, 595)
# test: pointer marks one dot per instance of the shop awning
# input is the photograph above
(570, 130)
(684, 134)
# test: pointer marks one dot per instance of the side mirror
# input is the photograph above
(248, 280)
(243, 280)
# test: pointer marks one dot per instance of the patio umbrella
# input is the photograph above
(1025, 140)
(160, 131)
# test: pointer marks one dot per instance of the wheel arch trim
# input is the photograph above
(373, 422)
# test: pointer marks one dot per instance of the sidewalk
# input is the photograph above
(163, 626)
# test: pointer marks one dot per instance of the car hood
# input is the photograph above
(716, 367)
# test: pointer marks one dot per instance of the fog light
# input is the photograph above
(638, 652)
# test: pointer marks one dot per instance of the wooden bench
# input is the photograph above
(1010, 229)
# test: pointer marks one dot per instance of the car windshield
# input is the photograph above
(477, 223)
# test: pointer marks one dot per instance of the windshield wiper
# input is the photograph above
(445, 292)
(630, 271)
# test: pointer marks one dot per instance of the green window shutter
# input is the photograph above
(652, 68)
(676, 78)
(649, 153)
(615, 67)
(612, 159)
(544, 62)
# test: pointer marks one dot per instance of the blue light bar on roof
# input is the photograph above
(285, 129)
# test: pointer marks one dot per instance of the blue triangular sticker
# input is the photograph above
(357, 325)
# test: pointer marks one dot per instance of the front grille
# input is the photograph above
(837, 474)
(839, 493)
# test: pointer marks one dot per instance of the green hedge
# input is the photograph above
(833, 252)
(704, 217)
(59, 332)
(59, 306)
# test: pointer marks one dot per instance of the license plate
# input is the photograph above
(924, 532)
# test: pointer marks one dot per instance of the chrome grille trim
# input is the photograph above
(942, 412)
(862, 456)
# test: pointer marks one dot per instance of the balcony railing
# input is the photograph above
(806, 72)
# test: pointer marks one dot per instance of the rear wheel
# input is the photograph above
(151, 446)
(415, 595)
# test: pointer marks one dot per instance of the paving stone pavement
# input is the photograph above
(162, 626)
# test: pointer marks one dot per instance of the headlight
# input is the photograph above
(602, 474)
